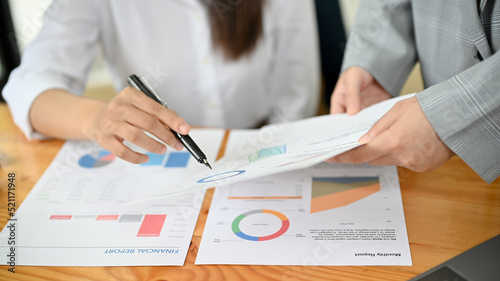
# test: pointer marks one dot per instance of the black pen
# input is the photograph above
(186, 140)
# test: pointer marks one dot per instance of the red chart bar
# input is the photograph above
(151, 226)
(60, 217)
(107, 217)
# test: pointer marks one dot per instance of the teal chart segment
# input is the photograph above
(267, 152)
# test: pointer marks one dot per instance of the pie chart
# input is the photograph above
(221, 176)
(285, 223)
(98, 158)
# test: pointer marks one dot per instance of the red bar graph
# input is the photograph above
(151, 225)
(107, 217)
(60, 217)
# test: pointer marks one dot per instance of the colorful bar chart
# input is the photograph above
(331, 193)
(100, 158)
(174, 160)
(151, 225)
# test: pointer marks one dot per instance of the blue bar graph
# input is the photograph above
(154, 159)
(178, 160)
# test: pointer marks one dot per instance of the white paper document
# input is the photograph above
(328, 214)
(285, 147)
(75, 215)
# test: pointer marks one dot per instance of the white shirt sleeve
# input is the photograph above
(295, 75)
(278, 82)
(60, 57)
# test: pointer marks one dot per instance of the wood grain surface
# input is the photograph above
(447, 211)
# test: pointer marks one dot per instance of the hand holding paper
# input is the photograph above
(402, 137)
(285, 147)
(356, 89)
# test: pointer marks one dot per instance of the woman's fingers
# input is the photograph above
(117, 148)
(128, 116)
(163, 114)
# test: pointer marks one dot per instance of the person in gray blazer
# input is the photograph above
(456, 43)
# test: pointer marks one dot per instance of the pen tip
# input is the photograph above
(206, 164)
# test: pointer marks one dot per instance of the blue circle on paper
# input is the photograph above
(218, 177)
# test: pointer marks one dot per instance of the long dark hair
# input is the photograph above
(236, 25)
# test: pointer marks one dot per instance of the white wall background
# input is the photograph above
(349, 9)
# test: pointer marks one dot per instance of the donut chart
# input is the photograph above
(96, 159)
(285, 223)
(221, 176)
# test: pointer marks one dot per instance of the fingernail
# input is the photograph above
(179, 146)
(183, 128)
(145, 159)
(163, 149)
(363, 139)
(351, 110)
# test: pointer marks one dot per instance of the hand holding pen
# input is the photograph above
(127, 116)
(185, 139)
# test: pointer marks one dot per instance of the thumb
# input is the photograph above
(352, 95)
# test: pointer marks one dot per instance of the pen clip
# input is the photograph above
(148, 87)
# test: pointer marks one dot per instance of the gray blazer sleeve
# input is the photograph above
(463, 105)
(465, 112)
(382, 42)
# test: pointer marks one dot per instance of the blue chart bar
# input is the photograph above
(154, 159)
(178, 160)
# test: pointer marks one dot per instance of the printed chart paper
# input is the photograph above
(285, 147)
(75, 215)
(328, 214)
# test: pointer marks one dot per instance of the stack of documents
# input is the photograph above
(276, 201)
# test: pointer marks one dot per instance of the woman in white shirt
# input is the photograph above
(218, 63)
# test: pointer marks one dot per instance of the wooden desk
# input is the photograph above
(447, 211)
